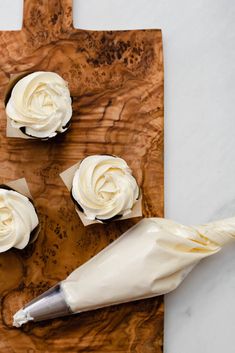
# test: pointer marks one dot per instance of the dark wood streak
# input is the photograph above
(116, 80)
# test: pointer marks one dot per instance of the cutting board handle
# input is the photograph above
(43, 14)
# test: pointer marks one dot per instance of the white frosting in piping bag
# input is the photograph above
(18, 218)
(104, 187)
(150, 259)
(40, 102)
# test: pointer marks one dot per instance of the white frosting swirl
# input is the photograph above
(104, 187)
(18, 219)
(40, 102)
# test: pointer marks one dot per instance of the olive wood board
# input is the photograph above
(116, 81)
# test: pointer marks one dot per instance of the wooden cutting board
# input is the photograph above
(116, 80)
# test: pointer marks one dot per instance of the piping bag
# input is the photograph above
(150, 259)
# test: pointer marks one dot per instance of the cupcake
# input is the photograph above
(103, 188)
(18, 219)
(40, 105)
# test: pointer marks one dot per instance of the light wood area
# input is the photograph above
(116, 81)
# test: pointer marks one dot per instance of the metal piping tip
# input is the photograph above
(21, 317)
(49, 305)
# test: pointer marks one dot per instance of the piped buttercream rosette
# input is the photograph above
(103, 187)
(40, 105)
(18, 219)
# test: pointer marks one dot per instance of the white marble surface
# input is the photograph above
(199, 50)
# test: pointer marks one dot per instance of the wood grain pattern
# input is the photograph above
(116, 80)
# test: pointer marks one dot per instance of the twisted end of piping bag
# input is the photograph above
(219, 232)
(167, 251)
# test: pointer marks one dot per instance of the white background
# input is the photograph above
(199, 51)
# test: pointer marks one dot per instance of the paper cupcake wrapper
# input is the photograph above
(21, 186)
(67, 177)
(13, 132)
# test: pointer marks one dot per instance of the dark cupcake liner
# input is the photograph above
(67, 126)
